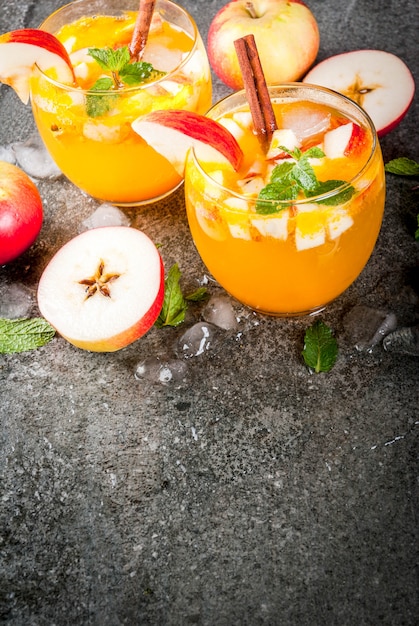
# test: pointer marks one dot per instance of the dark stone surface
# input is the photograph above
(255, 492)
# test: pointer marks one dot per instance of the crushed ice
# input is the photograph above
(219, 311)
(156, 370)
(32, 156)
(105, 215)
(16, 301)
(366, 327)
(403, 340)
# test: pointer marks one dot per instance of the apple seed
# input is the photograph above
(99, 282)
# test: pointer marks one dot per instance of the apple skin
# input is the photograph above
(21, 49)
(286, 34)
(377, 80)
(21, 212)
(173, 132)
(99, 323)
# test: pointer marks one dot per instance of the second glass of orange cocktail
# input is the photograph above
(87, 127)
(295, 226)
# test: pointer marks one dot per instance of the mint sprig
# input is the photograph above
(122, 72)
(291, 180)
(21, 335)
(175, 304)
(320, 348)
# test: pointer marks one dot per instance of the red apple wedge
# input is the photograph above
(173, 133)
(103, 289)
(21, 50)
(378, 81)
(346, 140)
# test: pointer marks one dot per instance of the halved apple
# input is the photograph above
(173, 133)
(21, 50)
(103, 289)
(378, 81)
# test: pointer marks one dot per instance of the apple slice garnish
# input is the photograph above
(172, 133)
(103, 289)
(378, 81)
(346, 140)
(21, 50)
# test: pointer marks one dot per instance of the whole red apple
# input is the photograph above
(21, 212)
(286, 34)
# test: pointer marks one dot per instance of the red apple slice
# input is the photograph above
(173, 133)
(21, 50)
(379, 81)
(345, 140)
(103, 289)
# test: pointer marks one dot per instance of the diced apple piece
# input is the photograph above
(344, 140)
(251, 186)
(309, 229)
(211, 222)
(235, 129)
(273, 226)
(21, 50)
(173, 133)
(285, 137)
(337, 222)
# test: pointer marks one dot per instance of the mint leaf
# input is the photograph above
(417, 230)
(329, 185)
(109, 59)
(320, 348)
(286, 190)
(20, 335)
(289, 180)
(197, 295)
(174, 304)
(136, 73)
(403, 167)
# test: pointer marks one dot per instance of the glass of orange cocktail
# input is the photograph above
(294, 227)
(87, 127)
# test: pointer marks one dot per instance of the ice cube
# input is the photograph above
(403, 340)
(105, 215)
(161, 58)
(34, 159)
(7, 154)
(155, 370)
(366, 327)
(15, 301)
(196, 340)
(219, 311)
(305, 120)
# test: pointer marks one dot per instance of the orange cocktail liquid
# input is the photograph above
(305, 254)
(101, 154)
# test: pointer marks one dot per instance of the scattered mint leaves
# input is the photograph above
(289, 180)
(402, 167)
(21, 335)
(320, 348)
(122, 73)
(175, 304)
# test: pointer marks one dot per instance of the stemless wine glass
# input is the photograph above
(289, 257)
(89, 135)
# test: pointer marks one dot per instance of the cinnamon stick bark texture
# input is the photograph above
(141, 28)
(256, 88)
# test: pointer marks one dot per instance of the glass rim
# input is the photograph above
(126, 89)
(301, 201)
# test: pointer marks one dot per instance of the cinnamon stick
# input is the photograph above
(141, 28)
(256, 88)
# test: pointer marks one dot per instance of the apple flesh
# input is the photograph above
(286, 34)
(21, 50)
(343, 141)
(21, 212)
(103, 289)
(173, 133)
(378, 81)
